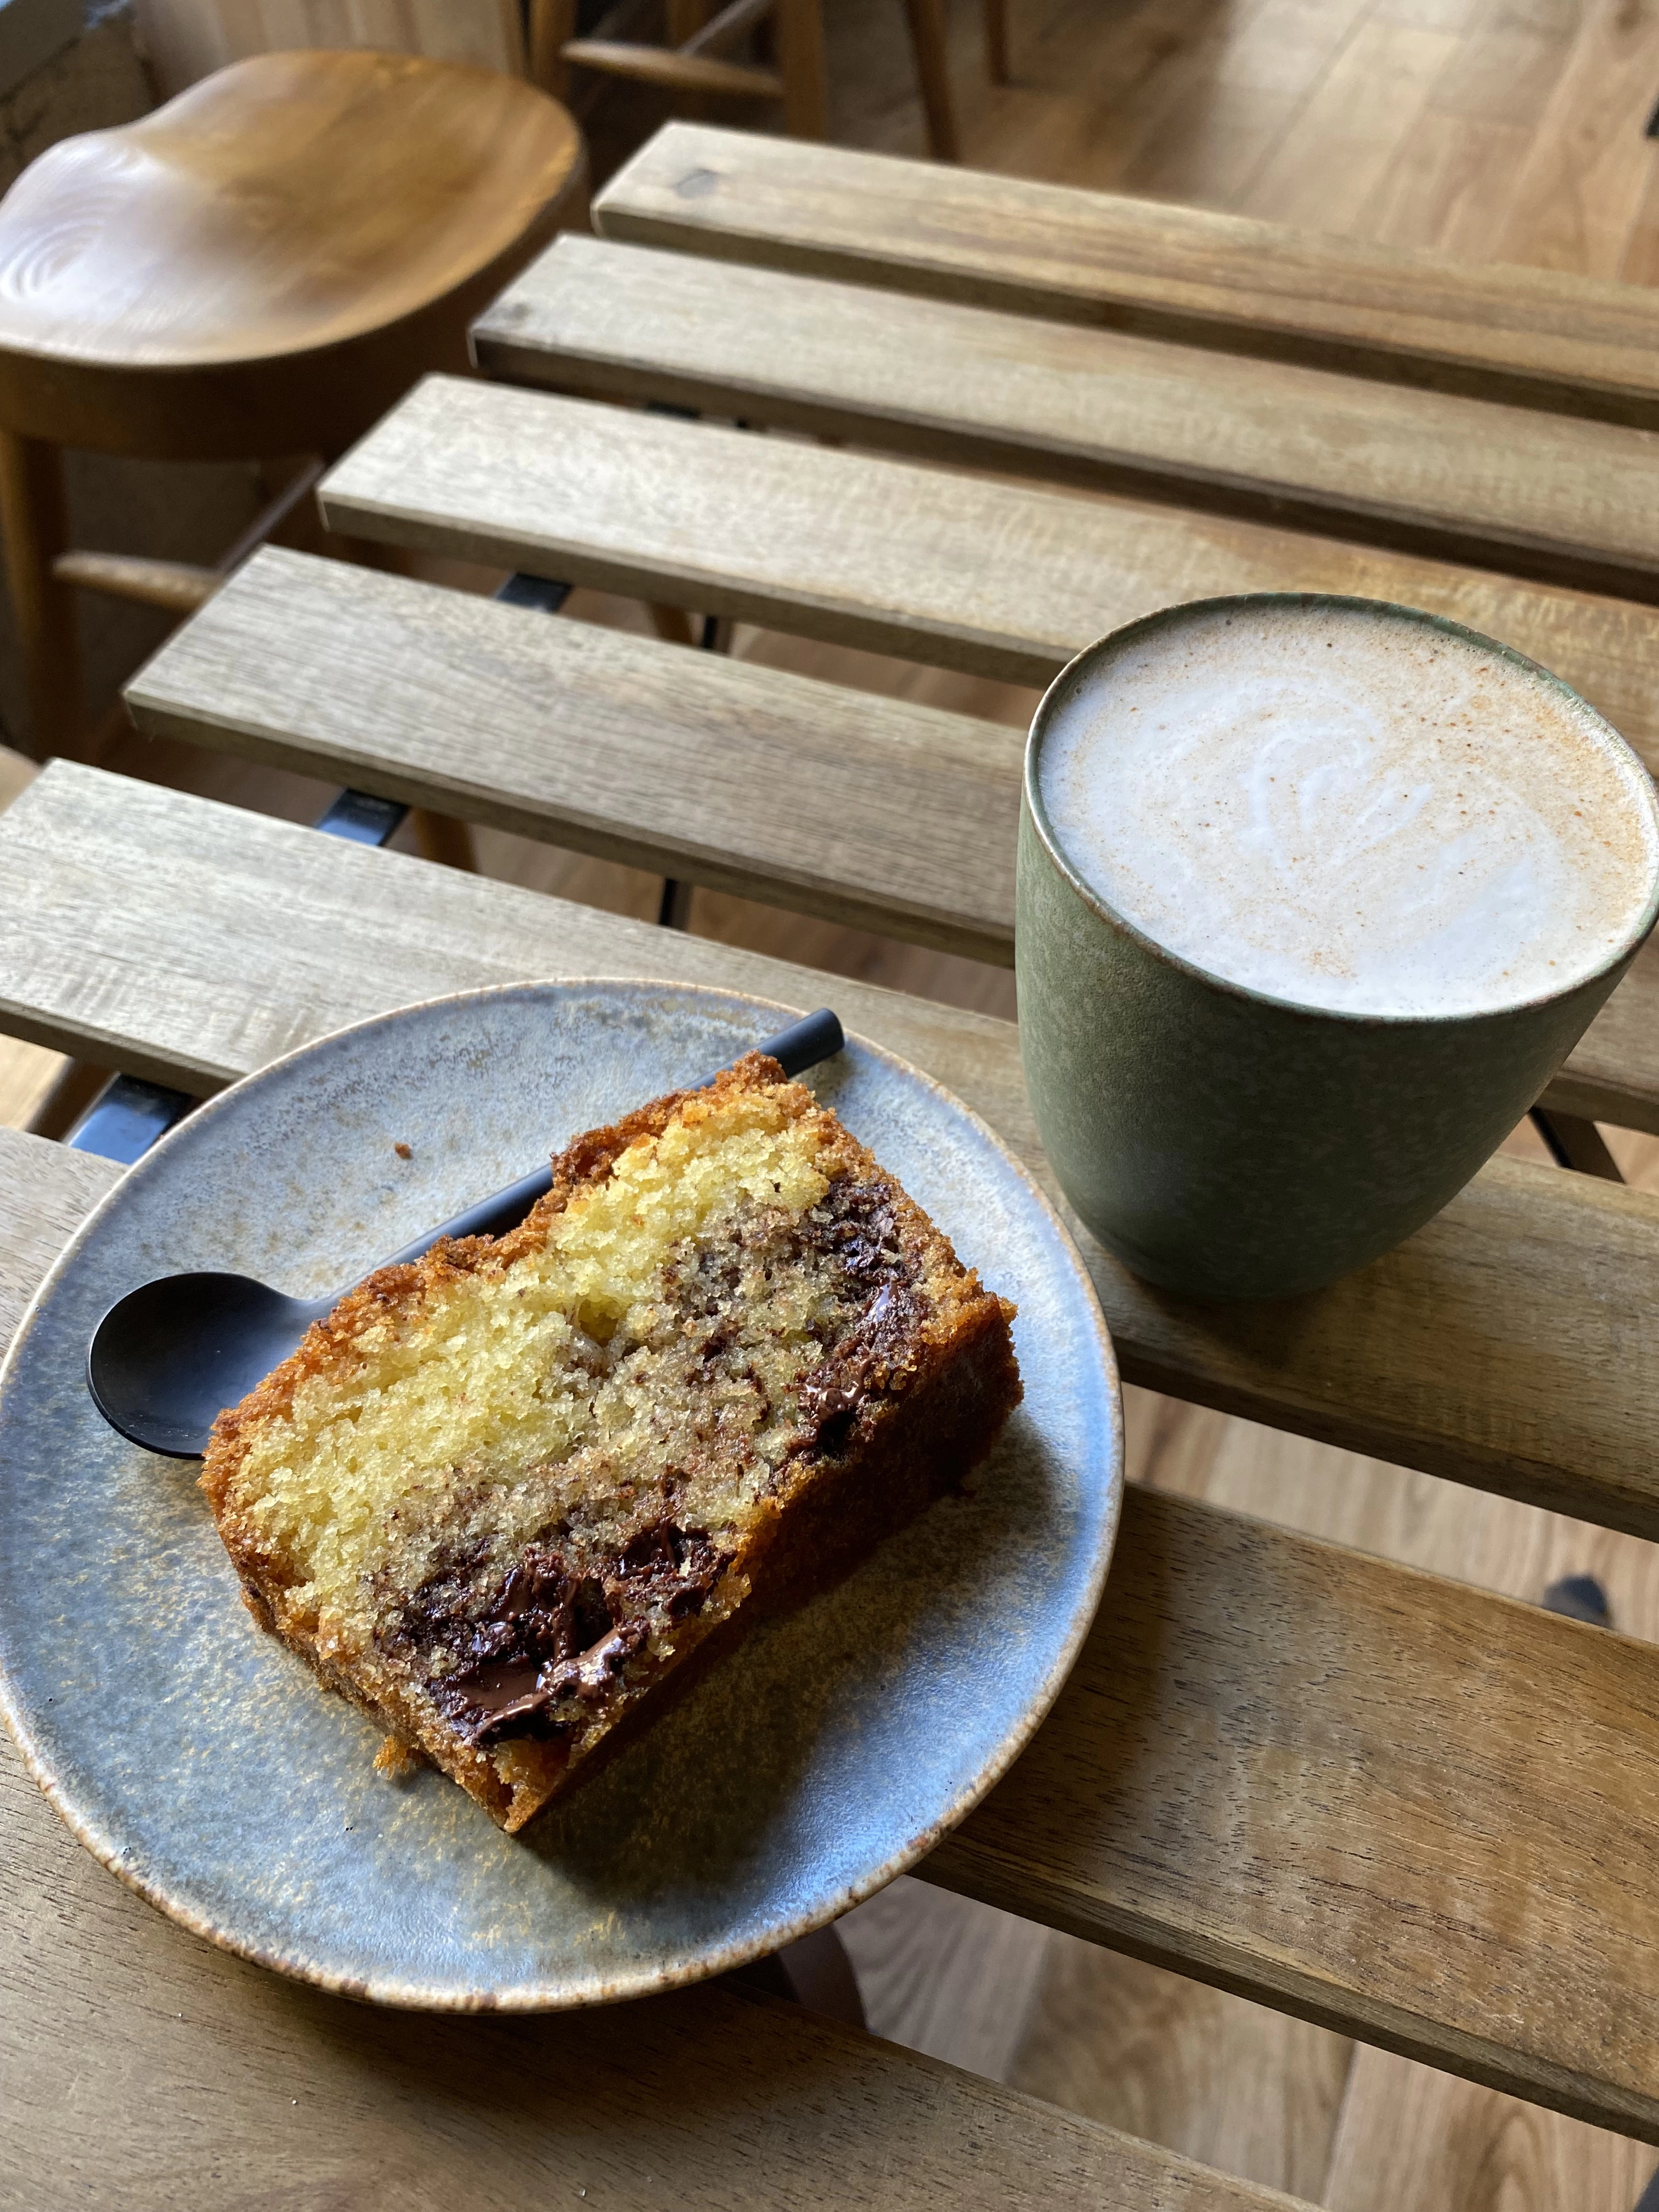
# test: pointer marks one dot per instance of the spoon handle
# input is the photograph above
(799, 1046)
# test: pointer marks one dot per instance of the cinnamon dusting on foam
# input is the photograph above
(1344, 809)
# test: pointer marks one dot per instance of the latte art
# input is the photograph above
(1351, 809)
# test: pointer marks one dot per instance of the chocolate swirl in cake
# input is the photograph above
(559, 1627)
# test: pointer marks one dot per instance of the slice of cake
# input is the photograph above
(505, 1497)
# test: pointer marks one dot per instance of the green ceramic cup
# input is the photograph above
(1228, 1144)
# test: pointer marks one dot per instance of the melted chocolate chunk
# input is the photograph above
(667, 1567)
(863, 1366)
(551, 1634)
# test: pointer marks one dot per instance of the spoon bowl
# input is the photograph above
(166, 1358)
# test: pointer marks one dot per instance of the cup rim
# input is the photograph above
(1168, 617)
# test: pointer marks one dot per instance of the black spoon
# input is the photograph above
(166, 1358)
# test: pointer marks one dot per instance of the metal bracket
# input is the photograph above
(126, 1118)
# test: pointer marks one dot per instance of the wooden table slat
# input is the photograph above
(1537, 338)
(1367, 1795)
(872, 811)
(1000, 580)
(1571, 502)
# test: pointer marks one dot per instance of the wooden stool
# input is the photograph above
(692, 63)
(259, 268)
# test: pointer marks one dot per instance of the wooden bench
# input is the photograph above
(1532, 337)
(1571, 502)
(1300, 1759)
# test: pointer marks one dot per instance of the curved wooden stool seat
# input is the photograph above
(260, 255)
(261, 268)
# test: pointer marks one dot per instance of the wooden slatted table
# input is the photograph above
(1368, 1795)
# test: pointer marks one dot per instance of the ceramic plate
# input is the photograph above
(204, 1764)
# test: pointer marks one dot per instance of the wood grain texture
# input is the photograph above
(45, 1192)
(1332, 1765)
(1367, 100)
(1577, 198)
(999, 579)
(942, 1975)
(871, 552)
(1256, 2093)
(260, 266)
(1570, 501)
(1409, 2136)
(1364, 1795)
(215, 2080)
(875, 811)
(1508, 1345)
(1536, 337)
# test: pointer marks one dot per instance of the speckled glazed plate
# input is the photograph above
(203, 1763)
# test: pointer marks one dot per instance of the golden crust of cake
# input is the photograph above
(512, 1497)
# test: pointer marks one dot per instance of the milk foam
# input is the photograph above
(1340, 807)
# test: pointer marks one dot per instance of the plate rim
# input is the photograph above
(539, 1997)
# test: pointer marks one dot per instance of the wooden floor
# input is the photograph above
(1494, 129)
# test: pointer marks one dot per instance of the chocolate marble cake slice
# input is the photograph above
(507, 1497)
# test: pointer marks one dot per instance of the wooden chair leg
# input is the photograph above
(802, 66)
(552, 26)
(441, 837)
(35, 531)
(671, 624)
(933, 68)
(996, 41)
(683, 19)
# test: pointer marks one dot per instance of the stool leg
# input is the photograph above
(996, 41)
(34, 530)
(927, 36)
(802, 67)
(684, 20)
(552, 24)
